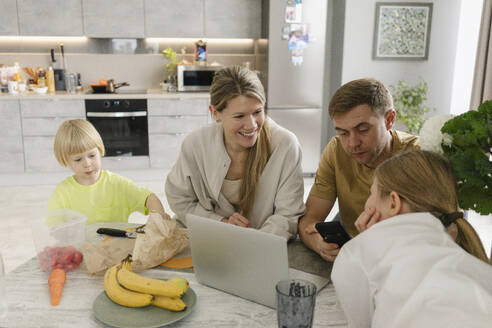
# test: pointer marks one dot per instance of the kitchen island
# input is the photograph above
(28, 298)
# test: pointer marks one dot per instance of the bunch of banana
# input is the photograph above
(127, 288)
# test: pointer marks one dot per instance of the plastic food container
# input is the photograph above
(58, 238)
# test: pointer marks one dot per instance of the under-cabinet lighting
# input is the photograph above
(44, 38)
(208, 40)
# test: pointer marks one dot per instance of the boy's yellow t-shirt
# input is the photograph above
(111, 198)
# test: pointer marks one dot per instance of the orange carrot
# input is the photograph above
(56, 282)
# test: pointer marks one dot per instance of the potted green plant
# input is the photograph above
(171, 56)
(466, 140)
(409, 103)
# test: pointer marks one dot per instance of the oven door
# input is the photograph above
(123, 133)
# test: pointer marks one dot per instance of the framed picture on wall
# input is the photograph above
(402, 30)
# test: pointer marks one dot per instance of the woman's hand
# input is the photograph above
(367, 218)
(237, 219)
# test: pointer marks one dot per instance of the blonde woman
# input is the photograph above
(244, 169)
(405, 269)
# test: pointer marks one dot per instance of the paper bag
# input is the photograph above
(161, 241)
(101, 255)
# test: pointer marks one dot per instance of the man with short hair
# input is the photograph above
(363, 115)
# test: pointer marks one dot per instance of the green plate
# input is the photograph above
(150, 316)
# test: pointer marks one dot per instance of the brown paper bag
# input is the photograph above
(161, 241)
(101, 255)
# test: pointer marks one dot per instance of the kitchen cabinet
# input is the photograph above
(9, 24)
(170, 120)
(174, 19)
(11, 149)
(233, 19)
(50, 17)
(114, 18)
(41, 119)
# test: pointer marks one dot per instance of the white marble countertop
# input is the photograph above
(28, 300)
(150, 93)
(29, 303)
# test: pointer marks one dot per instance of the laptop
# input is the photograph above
(244, 262)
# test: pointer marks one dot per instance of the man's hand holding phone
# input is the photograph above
(328, 251)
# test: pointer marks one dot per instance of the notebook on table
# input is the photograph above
(244, 262)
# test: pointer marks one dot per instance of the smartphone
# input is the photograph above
(333, 232)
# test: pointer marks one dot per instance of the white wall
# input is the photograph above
(438, 70)
(469, 26)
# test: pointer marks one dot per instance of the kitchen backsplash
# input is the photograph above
(141, 70)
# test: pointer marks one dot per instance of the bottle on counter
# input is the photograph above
(41, 78)
(50, 79)
(16, 72)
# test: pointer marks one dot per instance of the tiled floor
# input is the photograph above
(25, 197)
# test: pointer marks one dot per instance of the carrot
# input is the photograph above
(56, 282)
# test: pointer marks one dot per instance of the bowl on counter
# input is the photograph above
(40, 91)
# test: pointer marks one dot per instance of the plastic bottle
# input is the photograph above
(50, 79)
(17, 72)
(41, 77)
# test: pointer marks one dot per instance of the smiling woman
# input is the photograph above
(244, 169)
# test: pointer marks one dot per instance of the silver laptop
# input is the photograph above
(245, 262)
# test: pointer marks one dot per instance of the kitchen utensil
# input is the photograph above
(53, 60)
(116, 315)
(117, 232)
(111, 87)
(63, 56)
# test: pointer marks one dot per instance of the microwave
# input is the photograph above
(196, 77)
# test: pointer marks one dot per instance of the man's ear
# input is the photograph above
(389, 118)
(396, 204)
(213, 113)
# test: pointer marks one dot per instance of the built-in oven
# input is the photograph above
(122, 124)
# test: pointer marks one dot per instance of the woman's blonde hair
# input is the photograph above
(427, 182)
(227, 84)
(75, 137)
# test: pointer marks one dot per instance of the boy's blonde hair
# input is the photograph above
(427, 182)
(75, 137)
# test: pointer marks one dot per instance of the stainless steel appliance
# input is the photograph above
(296, 92)
(195, 77)
(122, 124)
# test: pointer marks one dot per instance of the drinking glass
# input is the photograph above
(3, 290)
(71, 82)
(296, 299)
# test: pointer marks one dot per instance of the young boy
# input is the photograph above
(101, 195)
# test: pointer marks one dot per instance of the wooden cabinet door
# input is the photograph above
(114, 18)
(8, 23)
(11, 149)
(50, 17)
(233, 18)
(174, 19)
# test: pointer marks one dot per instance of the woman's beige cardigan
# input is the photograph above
(194, 183)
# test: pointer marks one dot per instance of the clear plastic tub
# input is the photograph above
(58, 238)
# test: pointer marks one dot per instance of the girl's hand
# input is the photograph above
(367, 218)
(237, 219)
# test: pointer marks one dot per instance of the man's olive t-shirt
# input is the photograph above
(340, 175)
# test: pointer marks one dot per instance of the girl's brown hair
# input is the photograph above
(75, 137)
(427, 182)
(227, 84)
